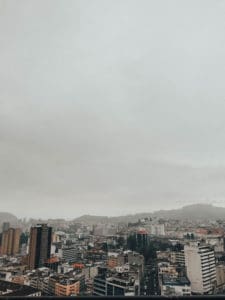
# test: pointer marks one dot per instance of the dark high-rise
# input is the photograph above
(40, 245)
(142, 238)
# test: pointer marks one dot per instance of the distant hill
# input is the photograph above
(191, 212)
(8, 217)
(194, 212)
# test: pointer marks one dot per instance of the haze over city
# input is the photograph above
(111, 107)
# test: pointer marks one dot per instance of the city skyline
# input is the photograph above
(111, 108)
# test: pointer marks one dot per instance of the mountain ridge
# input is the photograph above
(8, 217)
(199, 211)
(193, 212)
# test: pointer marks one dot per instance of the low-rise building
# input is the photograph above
(67, 287)
(220, 278)
(175, 286)
(119, 284)
(177, 258)
(11, 289)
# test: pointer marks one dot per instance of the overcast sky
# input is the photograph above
(111, 107)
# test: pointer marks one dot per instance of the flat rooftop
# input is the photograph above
(16, 289)
(170, 280)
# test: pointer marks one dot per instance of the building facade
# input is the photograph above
(11, 241)
(201, 268)
(40, 246)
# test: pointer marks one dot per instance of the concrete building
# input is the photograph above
(11, 241)
(175, 286)
(163, 255)
(167, 268)
(217, 242)
(157, 229)
(90, 272)
(40, 246)
(201, 268)
(67, 287)
(117, 284)
(220, 278)
(11, 289)
(142, 238)
(69, 253)
(122, 284)
(112, 260)
(177, 258)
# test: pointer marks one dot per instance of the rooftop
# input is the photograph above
(16, 289)
(170, 280)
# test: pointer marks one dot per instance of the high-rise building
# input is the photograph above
(40, 245)
(11, 241)
(142, 238)
(201, 267)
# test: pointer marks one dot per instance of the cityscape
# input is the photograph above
(112, 148)
(90, 256)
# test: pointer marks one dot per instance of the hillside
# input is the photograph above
(191, 212)
(8, 217)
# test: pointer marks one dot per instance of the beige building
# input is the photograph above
(201, 268)
(11, 241)
(67, 288)
(177, 257)
(220, 278)
(112, 260)
(163, 255)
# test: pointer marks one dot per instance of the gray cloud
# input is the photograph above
(110, 107)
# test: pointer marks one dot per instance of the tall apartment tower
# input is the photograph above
(142, 238)
(201, 267)
(40, 245)
(11, 241)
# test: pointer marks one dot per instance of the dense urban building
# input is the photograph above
(11, 289)
(10, 241)
(67, 287)
(142, 238)
(175, 286)
(118, 283)
(188, 258)
(201, 268)
(40, 246)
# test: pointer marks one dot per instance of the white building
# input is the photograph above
(177, 257)
(201, 268)
(217, 242)
(157, 229)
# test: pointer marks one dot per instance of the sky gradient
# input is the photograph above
(111, 107)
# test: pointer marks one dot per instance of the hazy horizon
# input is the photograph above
(111, 107)
(105, 215)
